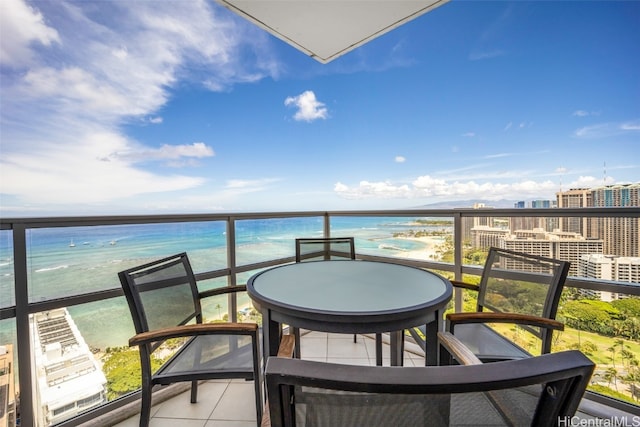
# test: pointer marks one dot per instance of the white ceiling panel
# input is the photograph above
(326, 29)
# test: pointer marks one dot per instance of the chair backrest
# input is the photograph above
(162, 293)
(515, 282)
(315, 249)
(535, 391)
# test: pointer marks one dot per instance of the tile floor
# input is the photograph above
(231, 404)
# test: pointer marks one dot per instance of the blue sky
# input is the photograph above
(181, 106)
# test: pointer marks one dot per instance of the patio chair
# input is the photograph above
(515, 288)
(165, 304)
(328, 248)
(537, 391)
(325, 248)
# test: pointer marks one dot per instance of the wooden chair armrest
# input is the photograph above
(222, 290)
(465, 285)
(191, 330)
(456, 348)
(287, 344)
(490, 317)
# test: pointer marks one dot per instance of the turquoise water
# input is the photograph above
(68, 261)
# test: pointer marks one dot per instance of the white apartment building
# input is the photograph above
(69, 380)
(7, 387)
(609, 267)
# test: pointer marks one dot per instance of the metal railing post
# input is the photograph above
(327, 225)
(27, 414)
(457, 257)
(232, 301)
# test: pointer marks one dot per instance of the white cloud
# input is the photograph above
(430, 187)
(469, 134)
(498, 155)
(508, 126)
(609, 129)
(165, 152)
(480, 55)
(584, 113)
(630, 126)
(590, 181)
(400, 159)
(378, 190)
(309, 108)
(243, 186)
(21, 26)
(247, 183)
(84, 72)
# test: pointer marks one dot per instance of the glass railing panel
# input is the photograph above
(216, 308)
(260, 240)
(418, 238)
(75, 260)
(605, 327)
(7, 278)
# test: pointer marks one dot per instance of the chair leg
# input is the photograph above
(378, 349)
(296, 334)
(355, 338)
(145, 410)
(194, 391)
(259, 400)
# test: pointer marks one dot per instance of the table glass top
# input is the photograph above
(350, 286)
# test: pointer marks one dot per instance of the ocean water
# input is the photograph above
(68, 261)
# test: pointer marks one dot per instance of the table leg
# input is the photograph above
(270, 335)
(397, 348)
(431, 340)
(378, 349)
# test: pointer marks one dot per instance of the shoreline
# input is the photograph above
(428, 253)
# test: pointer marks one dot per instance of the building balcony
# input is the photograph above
(53, 264)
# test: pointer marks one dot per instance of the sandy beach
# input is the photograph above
(427, 253)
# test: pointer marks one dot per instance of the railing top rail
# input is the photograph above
(53, 221)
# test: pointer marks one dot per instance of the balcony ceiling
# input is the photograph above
(327, 29)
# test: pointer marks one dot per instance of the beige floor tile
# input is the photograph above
(209, 395)
(237, 404)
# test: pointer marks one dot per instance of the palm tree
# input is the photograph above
(611, 374)
(612, 349)
(219, 307)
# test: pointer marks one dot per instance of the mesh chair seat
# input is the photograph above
(483, 340)
(211, 356)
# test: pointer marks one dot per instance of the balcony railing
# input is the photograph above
(66, 267)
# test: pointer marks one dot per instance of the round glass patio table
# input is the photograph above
(351, 297)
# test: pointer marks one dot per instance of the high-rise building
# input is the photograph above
(543, 204)
(468, 223)
(575, 198)
(69, 380)
(564, 246)
(621, 236)
(608, 267)
(483, 237)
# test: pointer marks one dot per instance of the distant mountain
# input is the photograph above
(457, 204)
